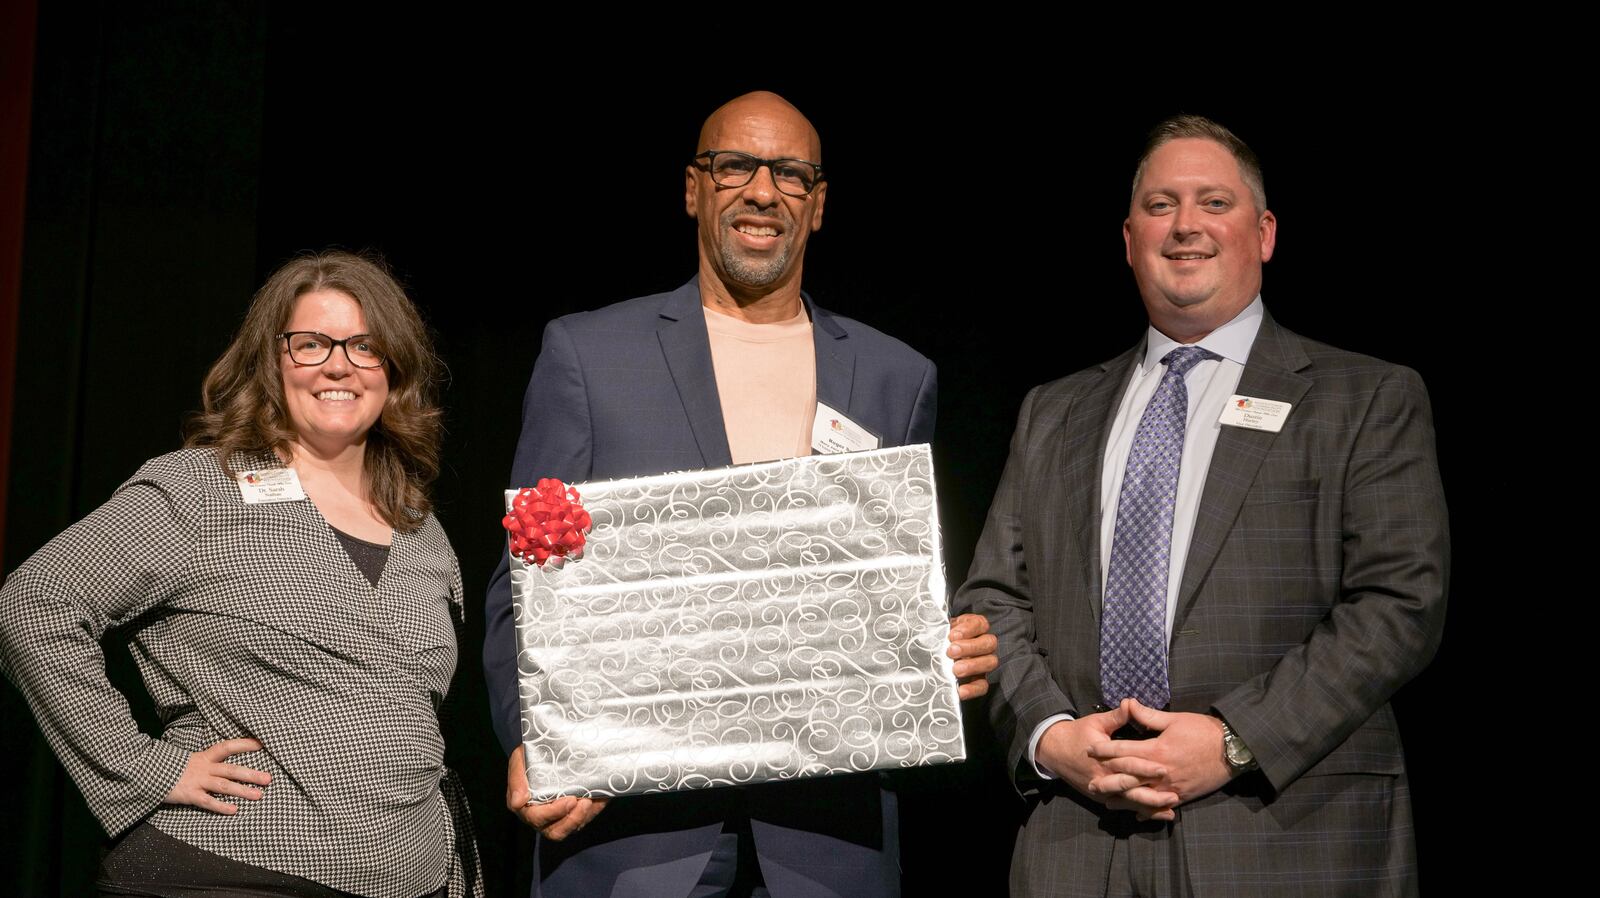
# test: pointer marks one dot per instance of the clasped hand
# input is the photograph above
(1183, 761)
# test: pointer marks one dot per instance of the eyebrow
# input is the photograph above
(1204, 188)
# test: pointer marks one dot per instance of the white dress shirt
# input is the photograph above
(1209, 385)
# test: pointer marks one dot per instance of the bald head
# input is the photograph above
(760, 113)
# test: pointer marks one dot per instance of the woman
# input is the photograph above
(290, 602)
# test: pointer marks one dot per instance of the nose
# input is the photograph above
(1186, 220)
(762, 190)
(338, 363)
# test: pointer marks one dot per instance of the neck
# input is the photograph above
(344, 464)
(1197, 322)
(764, 305)
(1186, 336)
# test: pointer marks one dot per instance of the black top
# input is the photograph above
(369, 558)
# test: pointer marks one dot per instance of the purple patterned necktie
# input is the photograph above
(1133, 627)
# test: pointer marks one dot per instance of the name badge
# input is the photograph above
(271, 485)
(1255, 414)
(832, 433)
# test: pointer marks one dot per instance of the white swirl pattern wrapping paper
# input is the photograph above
(748, 624)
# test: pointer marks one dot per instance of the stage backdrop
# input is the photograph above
(975, 212)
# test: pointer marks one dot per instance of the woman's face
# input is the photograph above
(331, 405)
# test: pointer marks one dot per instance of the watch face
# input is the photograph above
(1238, 754)
(1235, 753)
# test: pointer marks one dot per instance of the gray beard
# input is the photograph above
(752, 273)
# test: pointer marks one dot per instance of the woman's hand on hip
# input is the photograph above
(209, 774)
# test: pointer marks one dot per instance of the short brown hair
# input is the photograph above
(243, 400)
(1200, 127)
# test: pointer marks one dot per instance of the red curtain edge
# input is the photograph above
(18, 26)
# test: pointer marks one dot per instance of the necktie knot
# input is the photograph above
(1180, 360)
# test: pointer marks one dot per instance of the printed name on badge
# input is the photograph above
(832, 433)
(271, 485)
(1255, 414)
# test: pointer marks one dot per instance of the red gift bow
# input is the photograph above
(546, 522)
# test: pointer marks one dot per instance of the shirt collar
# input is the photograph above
(1232, 341)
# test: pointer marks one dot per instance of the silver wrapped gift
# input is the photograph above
(755, 623)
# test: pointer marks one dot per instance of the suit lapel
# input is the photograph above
(836, 360)
(1270, 374)
(1083, 461)
(688, 352)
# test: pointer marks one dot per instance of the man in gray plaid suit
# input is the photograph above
(1210, 562)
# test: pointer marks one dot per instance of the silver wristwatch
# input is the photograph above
(1238, 755)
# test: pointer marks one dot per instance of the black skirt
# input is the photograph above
(148, 863)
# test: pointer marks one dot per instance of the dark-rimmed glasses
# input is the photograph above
(314, 348)
(728, 168)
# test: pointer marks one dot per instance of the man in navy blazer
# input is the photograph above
(631, 389)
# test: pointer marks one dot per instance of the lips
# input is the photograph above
(757, 230)
(758, 235)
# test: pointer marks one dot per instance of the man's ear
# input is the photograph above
(819, 195)
(1268, 225)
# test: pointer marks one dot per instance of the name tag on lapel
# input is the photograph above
(271, 485)
(832, 432)
(1254, 414)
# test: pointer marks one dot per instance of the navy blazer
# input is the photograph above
(629, 390)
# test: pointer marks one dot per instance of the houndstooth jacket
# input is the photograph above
(250, 620)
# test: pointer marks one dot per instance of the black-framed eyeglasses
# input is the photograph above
(728, 168)
(314, 348)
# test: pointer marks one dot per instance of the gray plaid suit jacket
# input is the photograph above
(1314, 588)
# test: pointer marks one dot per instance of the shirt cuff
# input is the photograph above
(1033, 744)
(157, 769)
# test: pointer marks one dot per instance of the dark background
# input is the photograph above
(175, 158)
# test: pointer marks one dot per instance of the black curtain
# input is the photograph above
(177, 157)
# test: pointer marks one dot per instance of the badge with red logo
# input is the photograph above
(833, 432)
(1253, 413)
(269, 485)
